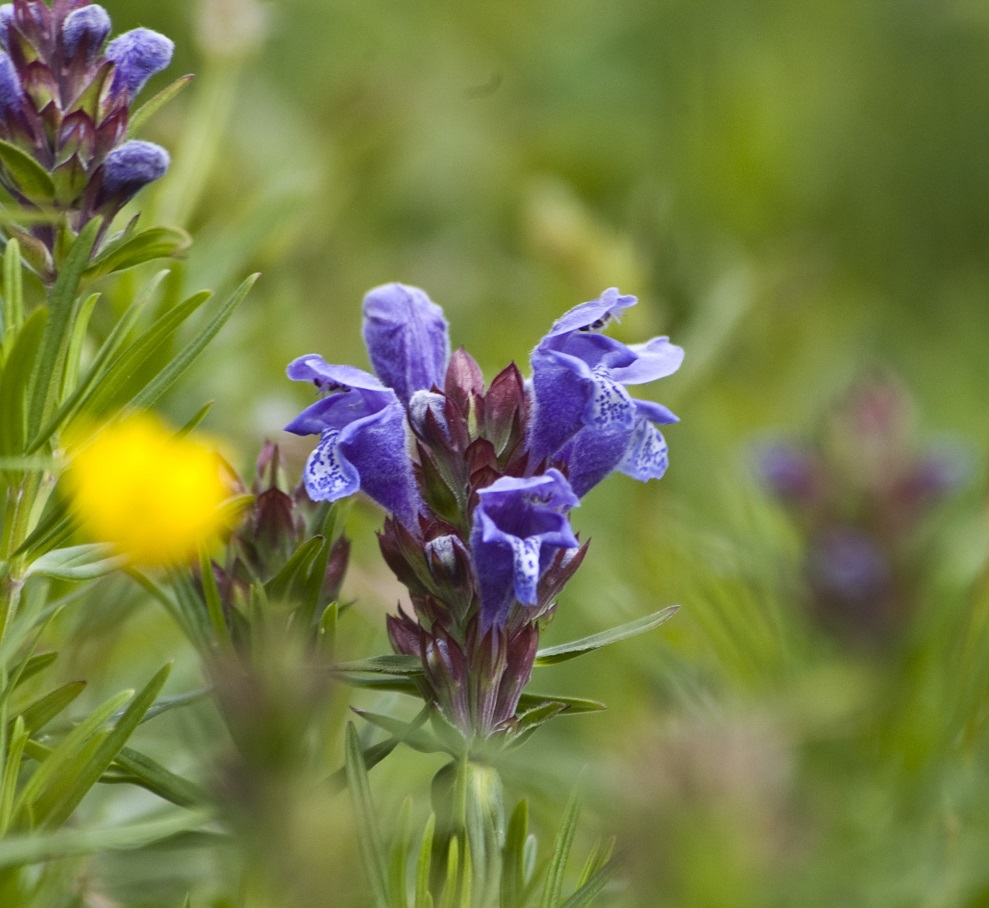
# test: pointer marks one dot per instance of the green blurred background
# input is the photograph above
(798, 193)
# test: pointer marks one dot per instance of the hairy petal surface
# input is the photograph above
(407, 339)
(137, 56)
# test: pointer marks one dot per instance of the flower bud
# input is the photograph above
(138, 55)
(11, 94)
(130, 167)
(421, 405)
(86, 27)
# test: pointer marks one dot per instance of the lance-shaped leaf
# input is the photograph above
(138, 248)
(553, 654)
(77, 562)
(27, 175)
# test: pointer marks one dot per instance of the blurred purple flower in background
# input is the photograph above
(858, 493)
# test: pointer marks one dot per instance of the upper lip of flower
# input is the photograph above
(352, 395)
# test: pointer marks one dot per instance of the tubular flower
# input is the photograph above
(156, 497)
(65, 101)
(584, 417)
(363, 439)
(519, 525)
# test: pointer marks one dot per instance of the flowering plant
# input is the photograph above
(478, 526)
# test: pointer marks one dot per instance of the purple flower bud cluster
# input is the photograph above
(858, 492)
(478, 480)
(65, 98)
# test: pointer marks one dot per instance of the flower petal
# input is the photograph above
(525, 567)
(407, 338)
(654, 359)
(646, 456)
(594, 314)
(328, 475)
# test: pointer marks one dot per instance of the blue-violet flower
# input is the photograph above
(519, 524)
(363, 438)
(584, 417)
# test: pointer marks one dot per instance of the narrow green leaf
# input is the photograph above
(214, 606)
(11, 770)
(311, 593)
(586, 893)
(408, 733)
(77, 338)
(140, 769)
(14, 384)
(17, 851)
(46, 377)
(55, 526)
(57, 812)
(423, 897)
(539, 715)
(164, 379)
(32, 667)
(150, 107)
(77, 562)
(385, 664)
(138, 248)
(574, 705)
(396, 685)
(193, 423)
(286, 583)
(109, 349)
(368, 834)
(451, 885)
(561, 853)
(467, 879)
(513, 870)
(46, 708)
(326, 634)
(31, 179)
(59, 766)
(166, 704)
(598, 858)
(13, 289)
(373, 755)
(398, 859)
(120, 376)
(561, 653)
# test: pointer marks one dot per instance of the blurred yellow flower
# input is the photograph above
(153, 495)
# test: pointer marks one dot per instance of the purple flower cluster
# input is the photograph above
(479, 481)
(858, 492)
(65, 97)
